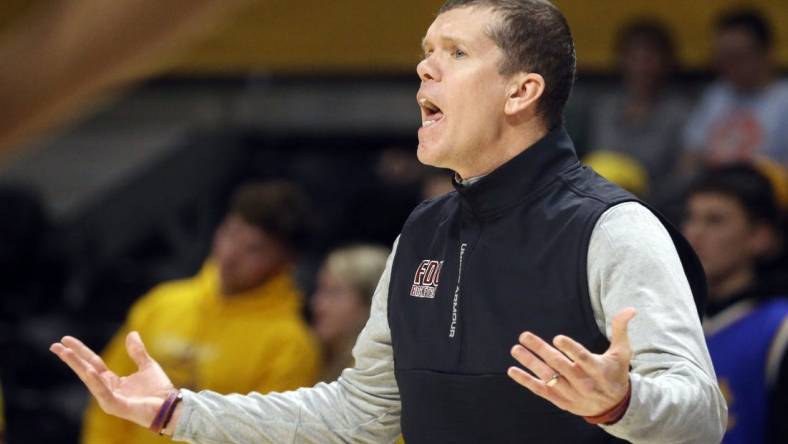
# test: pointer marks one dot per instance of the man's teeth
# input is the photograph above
(428, 105)
(429, 123)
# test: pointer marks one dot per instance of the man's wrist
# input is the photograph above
(615, 413)
(165, 412)
(169, 430)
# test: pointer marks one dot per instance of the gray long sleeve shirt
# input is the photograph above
(631, 263)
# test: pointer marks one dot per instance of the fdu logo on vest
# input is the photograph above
(425, 282)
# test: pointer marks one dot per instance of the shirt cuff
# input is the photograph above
(623, 425)
(181, 429)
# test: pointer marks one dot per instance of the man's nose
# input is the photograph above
(428, 70)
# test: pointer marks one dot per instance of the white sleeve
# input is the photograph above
(632, 262)
(362, 406)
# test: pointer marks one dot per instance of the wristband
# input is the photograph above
(165, 412)
(178, 399)
(613, 415)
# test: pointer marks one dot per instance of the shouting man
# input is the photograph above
(533, 260)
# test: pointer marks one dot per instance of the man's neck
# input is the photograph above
(508, 146)
(732, 285)
(759, 85)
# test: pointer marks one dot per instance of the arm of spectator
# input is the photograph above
(363, 406)
(68, 51)
(632, 262)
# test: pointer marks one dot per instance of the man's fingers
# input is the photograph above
(86, 373)
(98, 388)
(552, 357)
(537, 387)
(577, 353)
(85, 353)
(77, 364)
(532, 363)
(620, 338)
(136, 350)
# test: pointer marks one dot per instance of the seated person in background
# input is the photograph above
(234, 327)
(341, 302)
(742, 116)
(731, 222)
(643, 117)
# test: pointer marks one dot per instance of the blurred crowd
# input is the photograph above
(286, 285)
(717, 167)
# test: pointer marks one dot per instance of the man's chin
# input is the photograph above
(430, 155)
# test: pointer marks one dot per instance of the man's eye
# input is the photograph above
(458, 54)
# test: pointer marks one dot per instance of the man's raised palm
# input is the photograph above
(136, 397)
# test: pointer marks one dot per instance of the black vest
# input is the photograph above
(477, 267)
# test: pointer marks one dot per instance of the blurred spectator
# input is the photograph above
(732, 222)
(743, 115)
(643, 118)
(341, 302)
(234, 327)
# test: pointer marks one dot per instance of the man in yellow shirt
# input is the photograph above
(234, 327)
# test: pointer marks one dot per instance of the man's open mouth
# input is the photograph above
(431, 113)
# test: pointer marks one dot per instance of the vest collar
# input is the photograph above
(522, 176)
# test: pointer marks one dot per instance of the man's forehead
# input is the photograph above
(468, 25)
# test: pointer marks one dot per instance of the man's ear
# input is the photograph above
(764, 240)
(525, 90)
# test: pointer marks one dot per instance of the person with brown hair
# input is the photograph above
(531, 247)
(732, 220)
(236, 326)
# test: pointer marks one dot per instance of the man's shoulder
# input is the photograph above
(631, 233)
(780, 86)
(714, 98)
(593, 190)
(627, 212)
(779, 92)
(717, 90)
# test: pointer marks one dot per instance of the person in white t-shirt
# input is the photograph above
(744, 115)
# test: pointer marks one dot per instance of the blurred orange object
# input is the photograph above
(67, 52)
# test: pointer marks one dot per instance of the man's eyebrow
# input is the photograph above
(447, 40)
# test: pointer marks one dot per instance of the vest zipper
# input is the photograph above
(455, 305)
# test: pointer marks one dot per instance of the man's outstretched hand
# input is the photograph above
(136, 397)
(573, 378)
